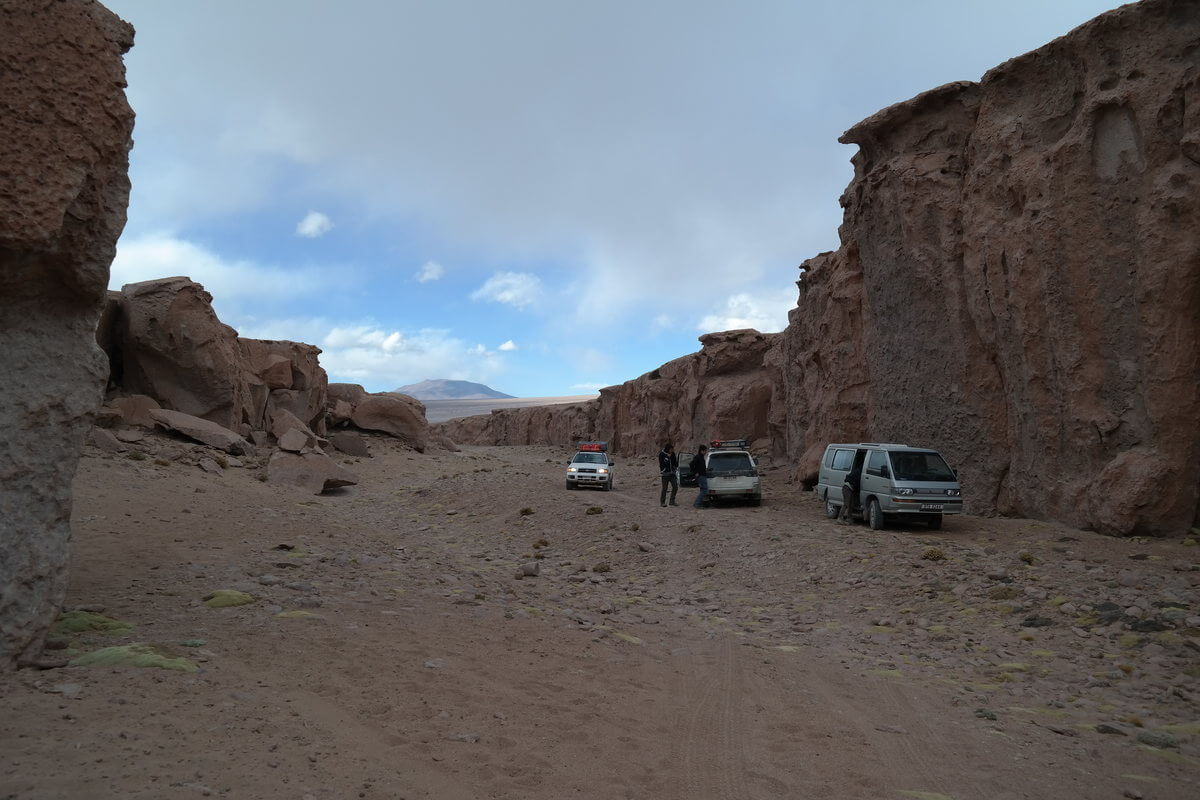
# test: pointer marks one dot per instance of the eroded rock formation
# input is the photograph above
(728, 389)
(1018, 285)
(65, 134)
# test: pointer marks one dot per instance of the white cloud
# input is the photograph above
(517, 289)
(508, 346)
(382, 359)
(589, 387)
(313, 225)
(161, 255)
(766, 312)
(430, 271)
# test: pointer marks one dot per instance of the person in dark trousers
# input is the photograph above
(850, 494)
(700, 470)
(668, 468)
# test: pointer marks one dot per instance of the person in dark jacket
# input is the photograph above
(668, 468)
(700, 470)
(850, 488)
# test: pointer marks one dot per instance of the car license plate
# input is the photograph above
(932, 506)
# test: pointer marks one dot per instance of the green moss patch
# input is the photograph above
(133, 655)
(76, 622)
(225, 598)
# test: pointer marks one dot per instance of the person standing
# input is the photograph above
(668, 468)
(850, 488)
(700, 470)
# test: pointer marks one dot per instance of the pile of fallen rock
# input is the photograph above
(176, 369)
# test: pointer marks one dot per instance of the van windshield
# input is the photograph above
(921, 466)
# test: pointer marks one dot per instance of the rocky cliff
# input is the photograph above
(725, 390)
(65, 135)
(1018, 284)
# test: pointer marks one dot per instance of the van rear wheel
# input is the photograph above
(831, 510)
(874, 515)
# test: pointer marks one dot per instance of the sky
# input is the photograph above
(546, 197)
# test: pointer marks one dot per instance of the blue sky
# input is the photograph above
(546, 197)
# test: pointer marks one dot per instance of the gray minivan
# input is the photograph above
(897, 480)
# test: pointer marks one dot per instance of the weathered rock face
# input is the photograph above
(1028, 251)
(1017, 285)
(164, 340)
(729, 389)
(65, 134)
(174, 349)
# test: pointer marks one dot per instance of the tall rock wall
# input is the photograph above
(728, 389)
(1018, 285)
(1028, 250)
(65, 135)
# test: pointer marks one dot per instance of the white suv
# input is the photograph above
(591, 466)
(733, 472)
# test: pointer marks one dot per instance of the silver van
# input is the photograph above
(897, 481)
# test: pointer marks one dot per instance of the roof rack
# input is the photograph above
(593, 447)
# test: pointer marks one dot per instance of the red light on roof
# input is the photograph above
(593, 447)
(730, 444)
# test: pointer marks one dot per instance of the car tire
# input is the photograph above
(756, 501)
(608, 486)
(831, 510)
(935, 522)
(874, 515)
(570, 484)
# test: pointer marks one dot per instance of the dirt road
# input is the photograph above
(390, 651)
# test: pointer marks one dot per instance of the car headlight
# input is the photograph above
(572, 469)
(954, 492)
(904, 491)
(602, 471)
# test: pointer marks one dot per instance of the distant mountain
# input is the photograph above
(441, 389)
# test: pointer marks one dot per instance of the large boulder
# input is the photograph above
(65, 134)
(397, 415)
(174, 349)
(202, 430)
(312, 472)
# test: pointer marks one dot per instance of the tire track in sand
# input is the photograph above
(712, 736)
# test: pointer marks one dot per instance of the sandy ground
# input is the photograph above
(660, 653)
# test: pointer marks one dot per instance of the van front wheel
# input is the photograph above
(874, 515)
(934, 521)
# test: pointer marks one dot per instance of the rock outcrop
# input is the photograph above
(1017, 285)
(1028, 251)
(65, 135)
(397, 415)
(165, 341)
(727, 390)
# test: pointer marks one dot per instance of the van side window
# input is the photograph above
(877, 459)
(842, 459)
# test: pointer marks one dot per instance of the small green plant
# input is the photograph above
(162, 462)
(222, 462)
(541, 543)
(1027, 557)
(933, 554)
(136, 455)
(526, 511)
(635, 527)
(594, 510)
(602, 567)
